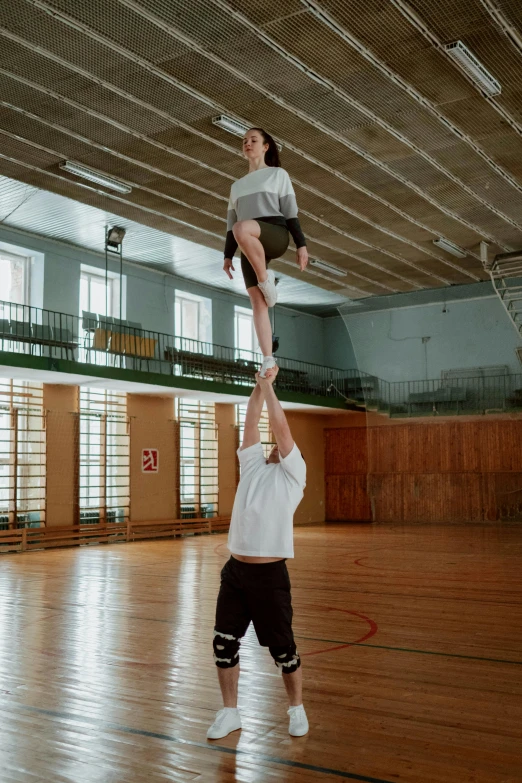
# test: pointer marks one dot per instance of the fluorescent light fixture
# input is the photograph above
(467, 61)
(95, 176)
(334, 270)
(235, 127)
(449, 247)
(230, 125)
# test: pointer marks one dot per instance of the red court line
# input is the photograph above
(368, 635)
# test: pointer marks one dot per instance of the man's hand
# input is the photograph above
(269, 379)
(227, 266)
(302, 258)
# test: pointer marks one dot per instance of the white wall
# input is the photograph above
(338, 348)
(462, 334)
(150, 297)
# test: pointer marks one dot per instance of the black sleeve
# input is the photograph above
(296, 231)
(230, 245)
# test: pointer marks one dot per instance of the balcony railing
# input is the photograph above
(107, 342)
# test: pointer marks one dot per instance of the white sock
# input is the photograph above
(270, 356)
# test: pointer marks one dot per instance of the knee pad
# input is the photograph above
(226, 650)
(286, 658)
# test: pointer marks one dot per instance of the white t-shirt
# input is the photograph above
(262, 522)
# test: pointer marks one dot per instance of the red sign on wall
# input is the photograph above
(150, 461)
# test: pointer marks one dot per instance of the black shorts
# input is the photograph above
(275, 240)
(257, 592)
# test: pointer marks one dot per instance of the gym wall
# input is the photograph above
(152, 425)
(449, 471)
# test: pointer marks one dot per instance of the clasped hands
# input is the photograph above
(269, 379)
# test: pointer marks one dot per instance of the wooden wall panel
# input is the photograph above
(426, 472)
(387, 496)
(347, 499)
(454, 447)
(502, 496)
(346, 450)
(442, 497)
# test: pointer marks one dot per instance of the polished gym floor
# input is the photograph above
(411, 641)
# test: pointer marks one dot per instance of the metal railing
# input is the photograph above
(99, 341)
(106, 342)
(455, 396)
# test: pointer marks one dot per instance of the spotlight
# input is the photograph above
(115, 236)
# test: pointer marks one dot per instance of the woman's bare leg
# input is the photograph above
(262, 323)
(247, 234)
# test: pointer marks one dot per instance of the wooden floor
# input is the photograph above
(411, 640)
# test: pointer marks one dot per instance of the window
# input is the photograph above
(94, 298)
(192, 322)
(22, 454)
(198, 458)
(267, 438)
(245, 340)
(104, 456)
(14, 284)
(102, 300)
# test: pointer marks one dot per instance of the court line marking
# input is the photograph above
(193, 743)
(406, 649)
(342, 645)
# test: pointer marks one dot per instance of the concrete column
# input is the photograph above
(227, 457)
(153, 496)
(62, 447)
(308, 432)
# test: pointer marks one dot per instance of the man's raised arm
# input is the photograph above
(276, 414)
(251, 434)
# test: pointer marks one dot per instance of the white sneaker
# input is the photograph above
(298, 721)
(268, 288)
(268, 363)
(228, 719)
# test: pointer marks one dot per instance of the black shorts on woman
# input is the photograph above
(275, 239)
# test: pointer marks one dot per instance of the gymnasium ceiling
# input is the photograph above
(388, 143)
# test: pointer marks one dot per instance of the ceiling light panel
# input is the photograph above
(95, 176)
(467, 61)
(327, 267)
(235, 127)
(450, 247)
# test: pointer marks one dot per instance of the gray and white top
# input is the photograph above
(268, 195)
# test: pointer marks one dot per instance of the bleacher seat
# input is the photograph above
(89, 321)
(106, 322)
(21, 329)
(41, 332)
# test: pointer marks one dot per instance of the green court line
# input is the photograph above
(407, 649)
